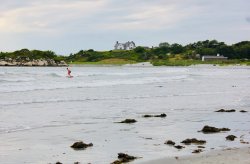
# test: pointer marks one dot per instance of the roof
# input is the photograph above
(215, 57)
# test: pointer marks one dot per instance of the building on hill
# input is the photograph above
(125, 46)
(209, 58)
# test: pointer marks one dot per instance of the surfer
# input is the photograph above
(69, 72)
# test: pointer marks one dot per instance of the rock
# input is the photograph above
(231, 137)
(224, 129)
(160, 115)
(148, 138)
(59, 163)
(128, 121)
(179, 147)
(243, 111)
(76, 162)
(243, 142)
(193, 141)
(62, 63)
(210, 129)
(81, 145)
(169, 142)
(3, 63)
(223, 110)
(124, 158)
(42, 63)
(51, 62)
(201, 147)
(147, 115)
(197, 151)
(117, 162)
(28, 64)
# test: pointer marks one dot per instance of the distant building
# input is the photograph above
(197, 56)
(125, 46)
(209, 58)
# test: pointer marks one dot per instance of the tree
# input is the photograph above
(176, 48)
(164, 44)
(139, 49)
(227, 51)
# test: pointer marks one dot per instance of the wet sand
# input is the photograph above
(226, 156)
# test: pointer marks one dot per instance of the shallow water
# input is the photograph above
(42, 113)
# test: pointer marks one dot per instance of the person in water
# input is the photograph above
(69, 72)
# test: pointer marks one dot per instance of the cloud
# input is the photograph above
(46, 16)
(58, 16)
(248, 19)
(144, 15)
(72, 24)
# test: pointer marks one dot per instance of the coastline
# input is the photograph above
(229, 155)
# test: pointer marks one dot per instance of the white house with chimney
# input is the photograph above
(125, 46)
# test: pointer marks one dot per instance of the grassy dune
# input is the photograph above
(112, 61)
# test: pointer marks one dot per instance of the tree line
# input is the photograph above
(164, 51)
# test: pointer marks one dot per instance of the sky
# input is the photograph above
(67, 26)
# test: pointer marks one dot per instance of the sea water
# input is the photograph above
(42, 112)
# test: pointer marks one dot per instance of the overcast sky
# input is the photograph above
(67, 26)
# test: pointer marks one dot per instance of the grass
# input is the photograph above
(173, 62)
(112, 61)
(176, 62)
(169, 62)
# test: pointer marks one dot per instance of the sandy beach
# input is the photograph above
(230, 155)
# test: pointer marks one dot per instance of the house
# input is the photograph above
(125, 46)
(210, 58)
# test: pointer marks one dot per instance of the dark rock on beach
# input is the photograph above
(128, 121)
(59, 163)
(160, 115)
(231, 137)
(243, 111)
(201, 147)
(210, 129)
(179, 147)
(197, 151)
(124, 158)
(160, 86)
(169, 142)
(81, 145)
(243, 142)
(147, 115)
(193, 141)
(116, 162)
(223, 110)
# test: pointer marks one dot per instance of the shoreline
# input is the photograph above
(139, 64)
(229, 155)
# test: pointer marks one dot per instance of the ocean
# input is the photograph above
(42, 112)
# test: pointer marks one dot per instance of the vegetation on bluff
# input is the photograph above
(170, 54)
(166, 54)
(25, 54)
